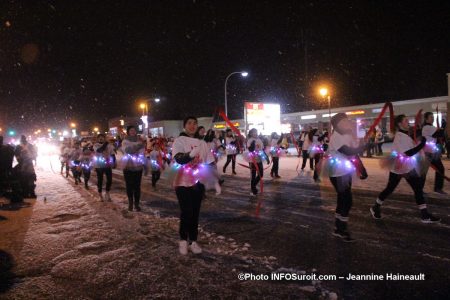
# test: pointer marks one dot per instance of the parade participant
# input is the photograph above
(231, 151)
(25, 153)
(104, 162)
(64, 157)
(305, 149)
(433, 151)
(190, 152)
(157, 160)
(133, 166)
(405, 162)
(338, 167)
(275, 152)
(255, 155)
(75, 162)
(86, 161)
(315, 150)
(215, 146)
(379, 140)
(201, 132)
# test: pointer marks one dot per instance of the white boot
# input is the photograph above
(100, 196)
(218, 189)
(195, 248)
(108, 197)
(183, 247)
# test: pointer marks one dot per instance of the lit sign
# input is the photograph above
(376, 110)
(355, 112)
(265, 117)
(221, 126)
(308, 117)
(327, 115)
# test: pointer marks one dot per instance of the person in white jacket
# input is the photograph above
(190, 152)
(406, 164)
(133, 166)
(433, 151)
(231, 151)
(104, 162)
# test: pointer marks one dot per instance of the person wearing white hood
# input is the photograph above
(190, 152)
(134, 161)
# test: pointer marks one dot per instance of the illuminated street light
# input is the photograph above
(243, 74)
(323, 91)
(157, 100)
(73, 125)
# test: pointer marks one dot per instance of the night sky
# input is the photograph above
(87, 61)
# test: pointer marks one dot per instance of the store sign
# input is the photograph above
(308, 117)
(222, 126)
(355, 112)
(265, 117)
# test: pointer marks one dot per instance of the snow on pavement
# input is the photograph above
(74, 246)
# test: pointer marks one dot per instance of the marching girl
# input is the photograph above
(433, 151)
(337, 164)
(64, 157)
(214, 145)
(192, 156)
(86, 162)
(407, 162)
(157, 159)
(133, 166)
(104, 162)
(305, 149)
(275, 151)
(231, 151)
(255, 155)
(75, 163)
(315, 150)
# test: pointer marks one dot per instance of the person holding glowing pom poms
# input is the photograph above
(192, 170)
(406, 161)
(339, 165)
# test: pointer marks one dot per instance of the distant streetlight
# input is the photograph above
(324, 93)
(73, 125)
(243, 74)
(157, 100)
(95, 129)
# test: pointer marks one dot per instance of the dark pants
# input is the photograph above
(155, 177)
(133, 183)
(343, 187)
(76, 170)
(414, 180)
(230, 158)
(380, 149)
(439, 178)
(108, 173)
(305, 155)
(65, 164)
(189, 199)
(86, 175)
(27, 181)
(256, 178)
(274, 170)
(316, 162)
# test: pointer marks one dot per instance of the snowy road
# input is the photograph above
(110, 252)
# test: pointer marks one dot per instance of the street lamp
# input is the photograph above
(243, 74)
(324, 92)
(143, 106)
